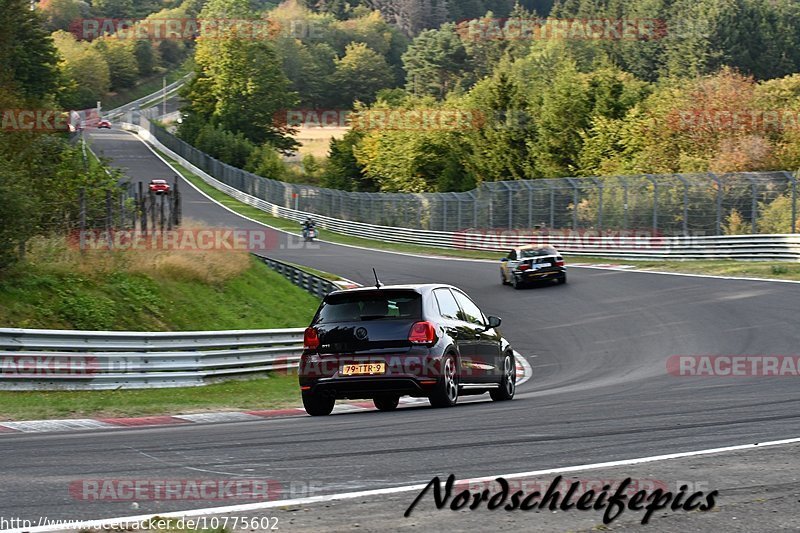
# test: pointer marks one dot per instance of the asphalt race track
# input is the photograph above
(600, 392)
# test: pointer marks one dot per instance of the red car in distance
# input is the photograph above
(159, 186)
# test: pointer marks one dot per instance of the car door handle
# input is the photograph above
(478, 335)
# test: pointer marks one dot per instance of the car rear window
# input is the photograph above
(366, 306)
(539, 252)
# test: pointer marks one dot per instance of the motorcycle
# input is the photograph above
(309, 234)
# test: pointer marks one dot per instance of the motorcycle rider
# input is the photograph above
(308, 226)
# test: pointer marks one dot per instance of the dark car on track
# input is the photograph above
(381, 343)
(528, 264)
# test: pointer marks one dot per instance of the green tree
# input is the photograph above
(84, 72)
(241, 87)
(113, 8)
(146, 57)
(504, 132)
(435, 62)
(17, 208)
(343, 171)
(360, 74)
(27, 54)
(266, 161)
(122, 65)
(564, 116)
(60, 14)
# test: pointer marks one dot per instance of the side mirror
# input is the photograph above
(494, 322)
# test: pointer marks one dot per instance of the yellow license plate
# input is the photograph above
(363, 369)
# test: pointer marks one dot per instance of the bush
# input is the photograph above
(87, 312)
(776, 217)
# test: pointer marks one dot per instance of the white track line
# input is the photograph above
(629, 269)
(424, 256)
(394, 490)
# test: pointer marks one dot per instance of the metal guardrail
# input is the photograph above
(95, 360)
(747, 247)
(313, 284)
(150, 98)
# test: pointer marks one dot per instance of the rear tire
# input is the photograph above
(516, 283)
(318, 404)
(386, 403)
(562, 280)
(508, 383)
(445, 392)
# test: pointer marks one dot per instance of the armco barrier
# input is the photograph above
(744, 247)
(171, 89)
(315, 285)
(93, 360)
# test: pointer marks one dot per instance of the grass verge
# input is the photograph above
(273, 392)
(57, 288)
(756, 269)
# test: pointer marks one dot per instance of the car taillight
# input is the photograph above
(524, 267)
(422, 333)
(311, 339)
(559, 262)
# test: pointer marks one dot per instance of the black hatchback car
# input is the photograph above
(528, 264)
(382, 343)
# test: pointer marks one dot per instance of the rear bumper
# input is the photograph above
(544, 274)
(358, 388)
(407, 374)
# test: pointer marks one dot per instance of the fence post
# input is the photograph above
(794, 203)
(685, 204)
(655, 202)
(510, 206)
(109, 218)
(152, 202)
(624, 202)
(718, 223)
(574, 204)
(142, 207)
(161, 214)
(82, 219)
(176, 203)
(754, 206)
(460, 202)
(599, 185)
